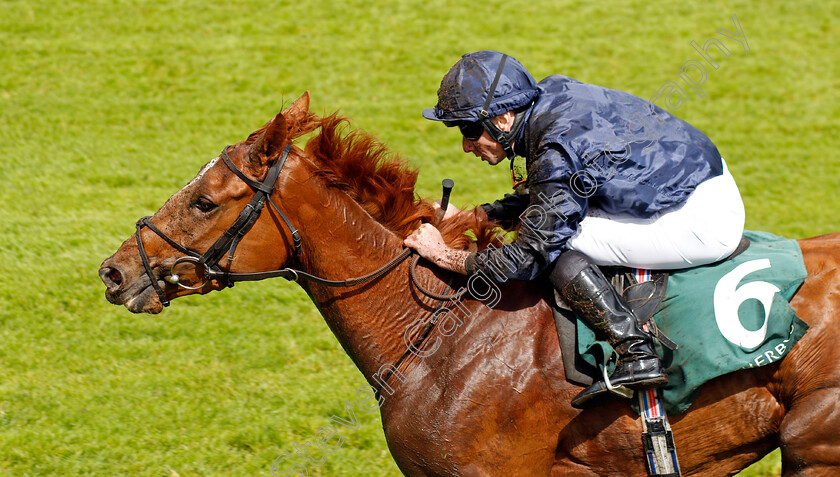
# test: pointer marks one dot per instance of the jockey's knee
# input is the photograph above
(567, 267)
(720, 242)
(722, 208)
(728, 244)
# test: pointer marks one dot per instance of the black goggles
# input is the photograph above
(470, 130)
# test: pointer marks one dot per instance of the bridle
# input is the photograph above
(209, 260)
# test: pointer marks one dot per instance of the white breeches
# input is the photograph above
(707, 227)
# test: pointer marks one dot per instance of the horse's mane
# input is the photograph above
(383, 184)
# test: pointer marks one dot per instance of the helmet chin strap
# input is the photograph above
(502, 137)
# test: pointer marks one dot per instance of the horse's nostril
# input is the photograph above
(112, 277)
(115, 276)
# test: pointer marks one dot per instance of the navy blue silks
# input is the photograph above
(585, 146)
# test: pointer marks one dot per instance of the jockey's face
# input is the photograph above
(485, 147)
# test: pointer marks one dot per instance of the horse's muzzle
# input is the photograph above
(137, 295)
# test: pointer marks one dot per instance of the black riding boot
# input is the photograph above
(594, 299)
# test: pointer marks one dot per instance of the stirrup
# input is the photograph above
(598, 392)
(620, 390)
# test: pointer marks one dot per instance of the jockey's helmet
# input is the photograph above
(480, 86)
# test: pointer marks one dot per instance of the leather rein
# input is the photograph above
(229, 240)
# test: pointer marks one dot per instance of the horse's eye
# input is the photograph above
(203, 204)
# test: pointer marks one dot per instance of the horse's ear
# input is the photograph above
(270, 142)
(298, 110)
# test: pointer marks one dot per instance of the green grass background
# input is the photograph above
(109, 107)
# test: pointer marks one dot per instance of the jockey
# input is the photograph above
(612, 179)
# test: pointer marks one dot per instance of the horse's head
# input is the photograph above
(194, 238)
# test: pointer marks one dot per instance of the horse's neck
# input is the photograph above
(342, 241)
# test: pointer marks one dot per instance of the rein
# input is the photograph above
(209, 260)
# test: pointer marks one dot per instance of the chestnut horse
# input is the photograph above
(488, 396)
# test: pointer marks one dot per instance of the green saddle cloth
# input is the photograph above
(730, 316)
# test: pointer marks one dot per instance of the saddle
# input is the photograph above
(644, 299)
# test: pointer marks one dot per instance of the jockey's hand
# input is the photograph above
(450, 210)
(430, 245)
(427, 241)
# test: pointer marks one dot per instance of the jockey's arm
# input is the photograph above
(507, 210)
(550, 219)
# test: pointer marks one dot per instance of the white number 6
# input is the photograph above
(728, 299)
